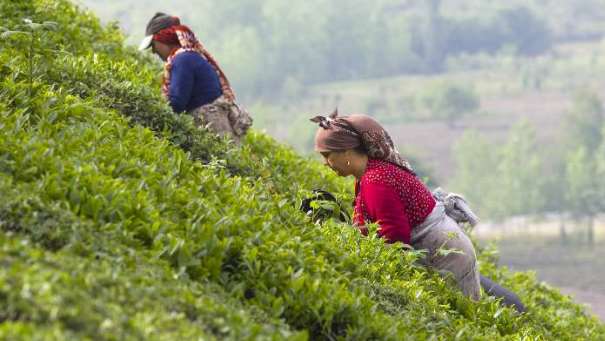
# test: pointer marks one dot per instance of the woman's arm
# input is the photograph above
(383, 206)
(181, 83)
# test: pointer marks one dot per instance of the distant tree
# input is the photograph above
(450, 102)
(600, 170)
(474, 174)
(519, 174)
(501, 181)
(585, 166)
(555, 186)
(584, 188)
(584, 122)
(525, 30)
(434, 49)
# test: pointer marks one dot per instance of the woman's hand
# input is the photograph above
(363, 229)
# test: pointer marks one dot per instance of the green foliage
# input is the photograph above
(584, 184)
(121, 220)
(519, 173)
(55, 296)
(472, 153)
(584, 174)
(35, 32)
(512, 184)
(450, 102)
(584, 122)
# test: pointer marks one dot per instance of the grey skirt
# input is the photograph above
(449, 250)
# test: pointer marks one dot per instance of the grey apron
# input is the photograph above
(449, 250)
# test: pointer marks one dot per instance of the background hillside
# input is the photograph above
(119, 220)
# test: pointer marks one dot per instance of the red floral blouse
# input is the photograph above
(392, 197)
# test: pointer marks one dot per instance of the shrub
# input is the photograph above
(121, 220)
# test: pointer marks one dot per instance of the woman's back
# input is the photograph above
(394, 197)
(193, 82)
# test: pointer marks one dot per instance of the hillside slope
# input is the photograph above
(121, 221)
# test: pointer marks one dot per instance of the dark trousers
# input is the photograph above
(509, 298)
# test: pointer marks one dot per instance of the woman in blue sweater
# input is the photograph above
(193, 81)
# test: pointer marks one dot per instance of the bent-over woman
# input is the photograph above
(389, 193)
(193, 81)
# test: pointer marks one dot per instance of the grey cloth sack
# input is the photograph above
(456, 207)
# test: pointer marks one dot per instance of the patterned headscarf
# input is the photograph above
(348, 132)
(182, 36)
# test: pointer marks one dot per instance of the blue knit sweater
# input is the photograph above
(193, 82)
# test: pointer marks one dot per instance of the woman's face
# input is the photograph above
(338, 161)
(161, 49)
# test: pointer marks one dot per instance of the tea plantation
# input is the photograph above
(121, 221)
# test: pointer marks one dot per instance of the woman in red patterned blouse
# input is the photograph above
(389, 193)
(393, 196)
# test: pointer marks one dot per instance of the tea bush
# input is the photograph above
(121, 220)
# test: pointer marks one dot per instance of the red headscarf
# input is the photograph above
(181, 35)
